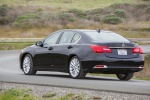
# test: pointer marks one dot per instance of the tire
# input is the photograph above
(27, 65)
(75, 68)
(125, 76)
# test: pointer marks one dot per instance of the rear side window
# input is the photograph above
(75, 38)
(106, 37)
(66, 37)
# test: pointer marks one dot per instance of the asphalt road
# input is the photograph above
(10, 72)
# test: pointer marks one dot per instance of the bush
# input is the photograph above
(63, 18)
(25, 21)
(39, 9)
(112, 19)
(147, 10)
(120, 13)
(141, 6)
(3, 10)
(3, 20)
(145, 0)
(72, 19)
(120, 6)
(96, 18)
(7, 15)
(79, 13)
(26, 17)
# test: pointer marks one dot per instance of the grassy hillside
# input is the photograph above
(66, 4)
(38, 18)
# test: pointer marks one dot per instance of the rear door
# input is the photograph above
(62, 50)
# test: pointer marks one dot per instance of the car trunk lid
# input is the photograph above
(121, 50)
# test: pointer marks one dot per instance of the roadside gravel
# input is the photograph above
(39, 91)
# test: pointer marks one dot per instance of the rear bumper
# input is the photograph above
(114, 70)
(112, 67)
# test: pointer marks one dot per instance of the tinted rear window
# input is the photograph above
(106, 37)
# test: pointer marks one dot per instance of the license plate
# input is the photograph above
(122, 52)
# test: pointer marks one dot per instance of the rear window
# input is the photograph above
(106, 37)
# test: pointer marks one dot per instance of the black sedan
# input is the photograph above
(79, 52)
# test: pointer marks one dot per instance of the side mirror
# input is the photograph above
(39, 43)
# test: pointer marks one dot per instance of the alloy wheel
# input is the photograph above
(26, 65)
(74, 67)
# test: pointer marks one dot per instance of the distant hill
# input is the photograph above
(126, 17)
(58, 5)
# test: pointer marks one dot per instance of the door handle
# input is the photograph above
(50, 48)
(69, 47)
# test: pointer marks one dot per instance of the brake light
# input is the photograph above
(137, 50)
(100, 49)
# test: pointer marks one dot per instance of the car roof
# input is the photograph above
(85, 30)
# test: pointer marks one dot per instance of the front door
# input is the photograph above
(43, 55)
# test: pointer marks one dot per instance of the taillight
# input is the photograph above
(137, 50)
(100, 49)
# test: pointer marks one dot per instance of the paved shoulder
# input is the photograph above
(10, 72)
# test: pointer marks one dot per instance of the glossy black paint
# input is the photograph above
(56, 57)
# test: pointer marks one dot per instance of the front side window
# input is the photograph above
(66, 37)
(52, 39)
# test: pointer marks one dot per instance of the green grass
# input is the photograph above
(143, 78)
(16, 94)
(49, 95)
(13, 46)
(22, 94)
(67, 4)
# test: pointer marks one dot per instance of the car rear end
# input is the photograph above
(113, 54)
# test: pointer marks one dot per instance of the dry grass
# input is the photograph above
(129, 30)
(66, 4)
(145, 74)
(14, 46)
(26, 33)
